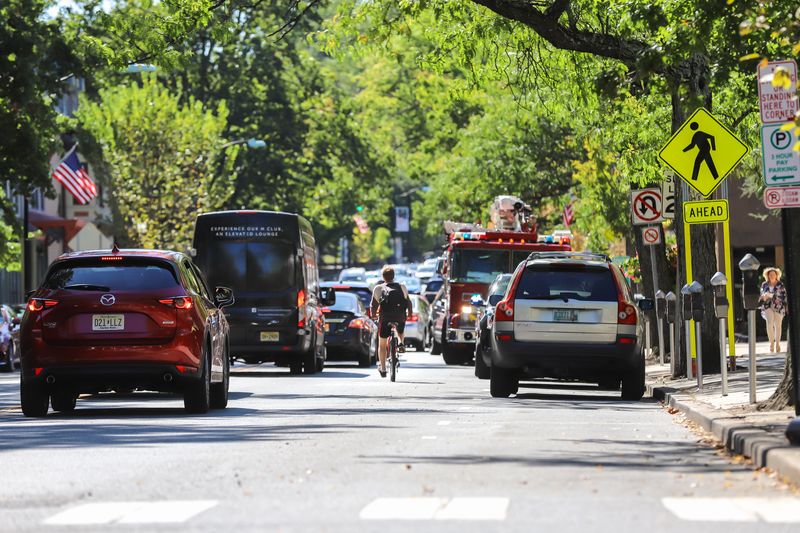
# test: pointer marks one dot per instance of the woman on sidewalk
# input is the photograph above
(773, 306)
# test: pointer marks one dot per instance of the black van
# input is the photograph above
(269, 259)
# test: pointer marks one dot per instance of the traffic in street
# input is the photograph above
(345, 450)
(456, 265)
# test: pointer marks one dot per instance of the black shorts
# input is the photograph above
(386, 329)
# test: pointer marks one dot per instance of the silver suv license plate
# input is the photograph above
(565, 315)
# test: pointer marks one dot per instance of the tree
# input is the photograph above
(640, 48)
(162, 161)
(33, 62)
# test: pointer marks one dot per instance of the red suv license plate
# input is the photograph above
(108, 322)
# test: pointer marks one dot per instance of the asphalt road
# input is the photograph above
(349, 451)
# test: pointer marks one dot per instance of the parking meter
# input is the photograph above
(671, 304)
(661, 304)
(686, 301)
(697, 301)
(751, 288)
(720, 284)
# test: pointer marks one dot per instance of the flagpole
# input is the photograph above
(26, 255)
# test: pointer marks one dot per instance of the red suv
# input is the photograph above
(124, 320)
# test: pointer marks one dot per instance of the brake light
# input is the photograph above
(326, 309)
(111, 258)
(626, 340)
(37, 304)
(301, 310)
(357, 323)
(504, 311)
(37, 371)
(626, 313)
(413, 318)
(179, 302)
(505, 337)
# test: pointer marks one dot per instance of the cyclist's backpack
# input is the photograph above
(393, 301)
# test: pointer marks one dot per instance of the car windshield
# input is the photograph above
(500, 285)
(123, 275)
(592, 284)
(345, 302)
(364, 294)
(353, 277)
(479, 266)
(433, 286)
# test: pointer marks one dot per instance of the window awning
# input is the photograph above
(44, 221)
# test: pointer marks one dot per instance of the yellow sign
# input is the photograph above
(703, 152)
(705, 212)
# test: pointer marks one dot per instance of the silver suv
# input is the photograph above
(568, 315)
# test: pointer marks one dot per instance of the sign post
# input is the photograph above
(703, 152)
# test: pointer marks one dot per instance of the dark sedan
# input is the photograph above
(350, 335)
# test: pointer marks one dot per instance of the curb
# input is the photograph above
(737, 434)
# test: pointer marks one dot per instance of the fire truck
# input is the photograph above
(473, 258)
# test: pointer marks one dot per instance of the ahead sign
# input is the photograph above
(646, 206)
(777, 103)
(705, 211)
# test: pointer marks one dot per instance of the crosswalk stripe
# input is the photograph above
(773, 510)
(472, 508)
(165, 512)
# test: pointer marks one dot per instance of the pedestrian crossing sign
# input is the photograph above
(703, 152)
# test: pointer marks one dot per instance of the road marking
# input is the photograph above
(429, 437)
(444, 423)
(167, 512)
(436, 509)
(773, 510)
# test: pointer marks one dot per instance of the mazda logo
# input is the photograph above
(107, 299)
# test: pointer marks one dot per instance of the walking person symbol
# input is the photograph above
(704, 144)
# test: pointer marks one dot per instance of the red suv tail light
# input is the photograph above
(179, 302)
(37, 304)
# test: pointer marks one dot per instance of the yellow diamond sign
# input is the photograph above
(703, 152)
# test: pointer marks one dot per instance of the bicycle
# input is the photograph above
(394, 342)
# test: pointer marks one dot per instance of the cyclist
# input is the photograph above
(391, 303)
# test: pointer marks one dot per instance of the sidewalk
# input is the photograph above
(757, 435)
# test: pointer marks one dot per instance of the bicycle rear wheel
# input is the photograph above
(393, 359)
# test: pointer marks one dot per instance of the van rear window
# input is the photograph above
(126, 275)
(589, 284)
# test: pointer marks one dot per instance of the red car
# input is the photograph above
(124, 320)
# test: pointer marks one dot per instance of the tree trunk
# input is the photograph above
(784, 394)
(703, 236)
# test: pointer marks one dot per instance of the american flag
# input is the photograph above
(568, 216)
(74, 178)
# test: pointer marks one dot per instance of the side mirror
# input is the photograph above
(495, 299)
(327, 296)
(646, 304)
(223, 296)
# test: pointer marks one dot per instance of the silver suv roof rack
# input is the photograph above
(581, 256)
